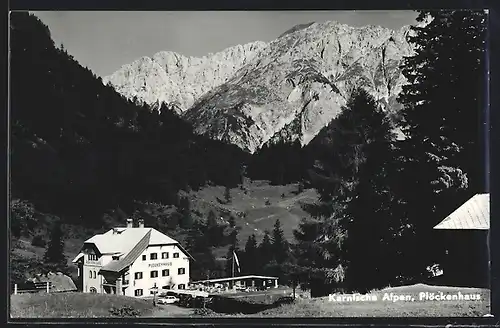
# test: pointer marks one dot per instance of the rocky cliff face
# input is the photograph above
(177, 80)
(287, 89)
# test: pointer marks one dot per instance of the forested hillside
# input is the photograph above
(84, 156)
(79, 148)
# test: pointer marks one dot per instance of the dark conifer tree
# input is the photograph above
(445, 97)
(306, 249)
(185, 211)
(279, 243)
(443, 123)
(215, 231)
(371, 216)
(360, 135)
(198, 244)
(265, 250)
(250, 264)
(54, 257)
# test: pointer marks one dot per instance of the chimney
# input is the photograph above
(129, 223)
(141, 223)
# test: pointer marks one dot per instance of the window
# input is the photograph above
(93, 290)
(154, 274)
(176, 255)
(181, 286)
(153, 256)
(93, 257)
(90, 272)
(164, 255)
(94, 275)
(138, 275)
(181, 271)
(144, 257)
(138, 292)
(116, 258)
(165, 273)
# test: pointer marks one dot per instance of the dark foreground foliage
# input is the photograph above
(79, 148)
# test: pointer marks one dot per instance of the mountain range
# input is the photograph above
(284, 90)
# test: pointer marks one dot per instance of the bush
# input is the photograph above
(268, 202)
(38, 241)
(284, 300)
(125, 311)
(204, 312)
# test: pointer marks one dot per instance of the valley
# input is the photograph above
(255, 205)
(318, 159)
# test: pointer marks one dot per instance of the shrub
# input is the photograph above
(284, 300)
(125, 311)
(204, 312)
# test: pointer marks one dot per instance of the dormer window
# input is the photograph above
(93, 257)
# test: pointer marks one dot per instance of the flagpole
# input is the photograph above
(233, 264)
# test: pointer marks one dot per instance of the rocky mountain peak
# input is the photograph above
(178, 80)
(287, 89)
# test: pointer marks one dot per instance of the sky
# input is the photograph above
(103, 41)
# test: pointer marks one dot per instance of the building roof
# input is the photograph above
(122, 240)
(128, 243)
(472, 215)
(234, 278)
(118, 265)
(60, 282)
(78, 257)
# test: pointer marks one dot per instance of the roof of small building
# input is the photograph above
(60, 282)
(472, 215)
(234, 278)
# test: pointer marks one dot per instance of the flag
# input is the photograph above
(237, 261)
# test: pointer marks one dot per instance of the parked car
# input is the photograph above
(168, 300)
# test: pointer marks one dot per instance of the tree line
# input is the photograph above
(381, 196)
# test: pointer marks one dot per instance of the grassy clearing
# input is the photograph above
(73, 305)
(251, 201)
(261, 203)
(323, 307)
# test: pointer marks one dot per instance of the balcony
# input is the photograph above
(93, 262)
(113, 282)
